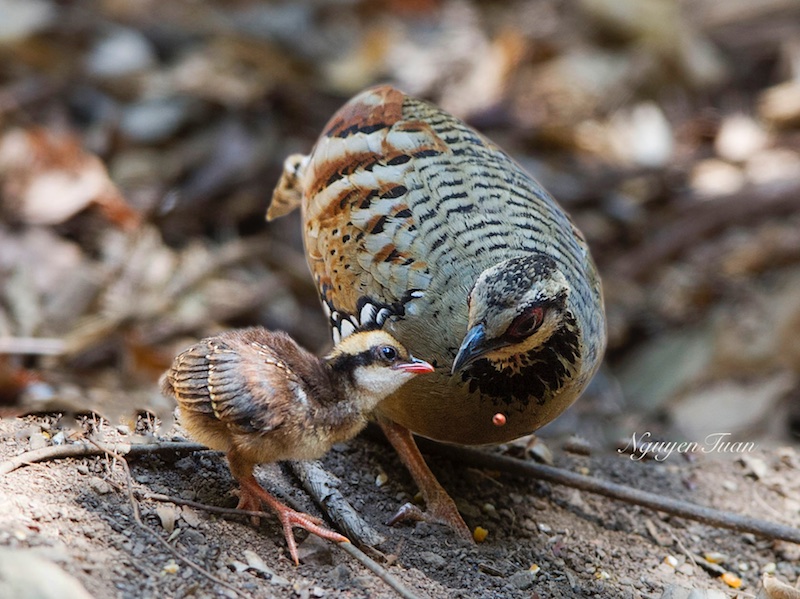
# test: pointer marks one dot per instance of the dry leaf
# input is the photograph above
(46, 178)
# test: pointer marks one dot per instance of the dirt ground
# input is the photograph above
(670, 132)
(77, 513)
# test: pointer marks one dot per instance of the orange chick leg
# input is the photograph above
(253, 495)
(440, 506)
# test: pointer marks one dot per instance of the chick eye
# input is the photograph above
(388, 353)
(526, 324)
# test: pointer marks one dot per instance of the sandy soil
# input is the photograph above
(76, 512)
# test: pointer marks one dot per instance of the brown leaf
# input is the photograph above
(46, 177)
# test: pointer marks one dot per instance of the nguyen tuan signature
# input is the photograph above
(642, 446)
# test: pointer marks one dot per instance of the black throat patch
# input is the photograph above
(543, 372)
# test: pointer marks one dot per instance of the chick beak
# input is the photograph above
(416, 366)
(472, 347)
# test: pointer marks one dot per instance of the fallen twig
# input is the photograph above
(322, 486)
(481, 459)
(675, 507)
(87, 449)
(356, 553)
(146, 529)
(82, 449)
(378, 570)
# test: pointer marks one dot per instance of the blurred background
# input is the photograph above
(140, 142)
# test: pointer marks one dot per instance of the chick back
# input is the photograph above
(241, 390)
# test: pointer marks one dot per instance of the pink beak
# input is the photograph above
(415, 366)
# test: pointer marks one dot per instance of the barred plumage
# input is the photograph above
(404, 208)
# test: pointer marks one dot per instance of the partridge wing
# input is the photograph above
(243, 385)
(360, 189)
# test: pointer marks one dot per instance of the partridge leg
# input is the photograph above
(253, 495)
(440, 506)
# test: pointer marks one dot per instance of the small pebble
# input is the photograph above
(715, 557)
(540, 452)
(522, 580)
(769, 568)
(671, 561)
(381, 479)
(730, 485)
(121, 52)
(191, 516)
(99, 486)
(315, 551)
(38, 441)
(578, 446)
(171, 567)
(739, 138)
(433, 559)
(154, 120)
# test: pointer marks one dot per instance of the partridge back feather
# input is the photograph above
(404, 206)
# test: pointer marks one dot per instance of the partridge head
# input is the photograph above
(514, 310)
(259, 397)
(415, 223)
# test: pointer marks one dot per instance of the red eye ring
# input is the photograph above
(526, 323)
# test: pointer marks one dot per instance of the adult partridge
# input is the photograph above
(260, 397)
(415, 223)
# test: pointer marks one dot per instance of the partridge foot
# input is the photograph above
(253, 494)
(440, 507)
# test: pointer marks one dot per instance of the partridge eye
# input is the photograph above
(526, 324)
(388, 353)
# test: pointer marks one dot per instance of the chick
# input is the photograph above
(259, 397)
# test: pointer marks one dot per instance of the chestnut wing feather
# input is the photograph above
(360, 191)
(246, 387)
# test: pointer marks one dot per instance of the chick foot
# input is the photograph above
(253, 494)
(440, 507)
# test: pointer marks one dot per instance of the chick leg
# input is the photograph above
(253, 495)
(440, 506)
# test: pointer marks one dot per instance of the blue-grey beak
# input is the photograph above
(472, 347)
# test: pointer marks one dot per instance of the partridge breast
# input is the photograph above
(404, 206)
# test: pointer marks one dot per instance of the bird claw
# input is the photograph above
(250, 503)
(290, 518)
(250, 499)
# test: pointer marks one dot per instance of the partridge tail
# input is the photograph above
(289, 192)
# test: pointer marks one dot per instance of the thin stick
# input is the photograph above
(473, 457)
(378, 570)
(322, 486)
(86, 449)
(356, 553)
(653, 501)
(146, 529)
(82, 449)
